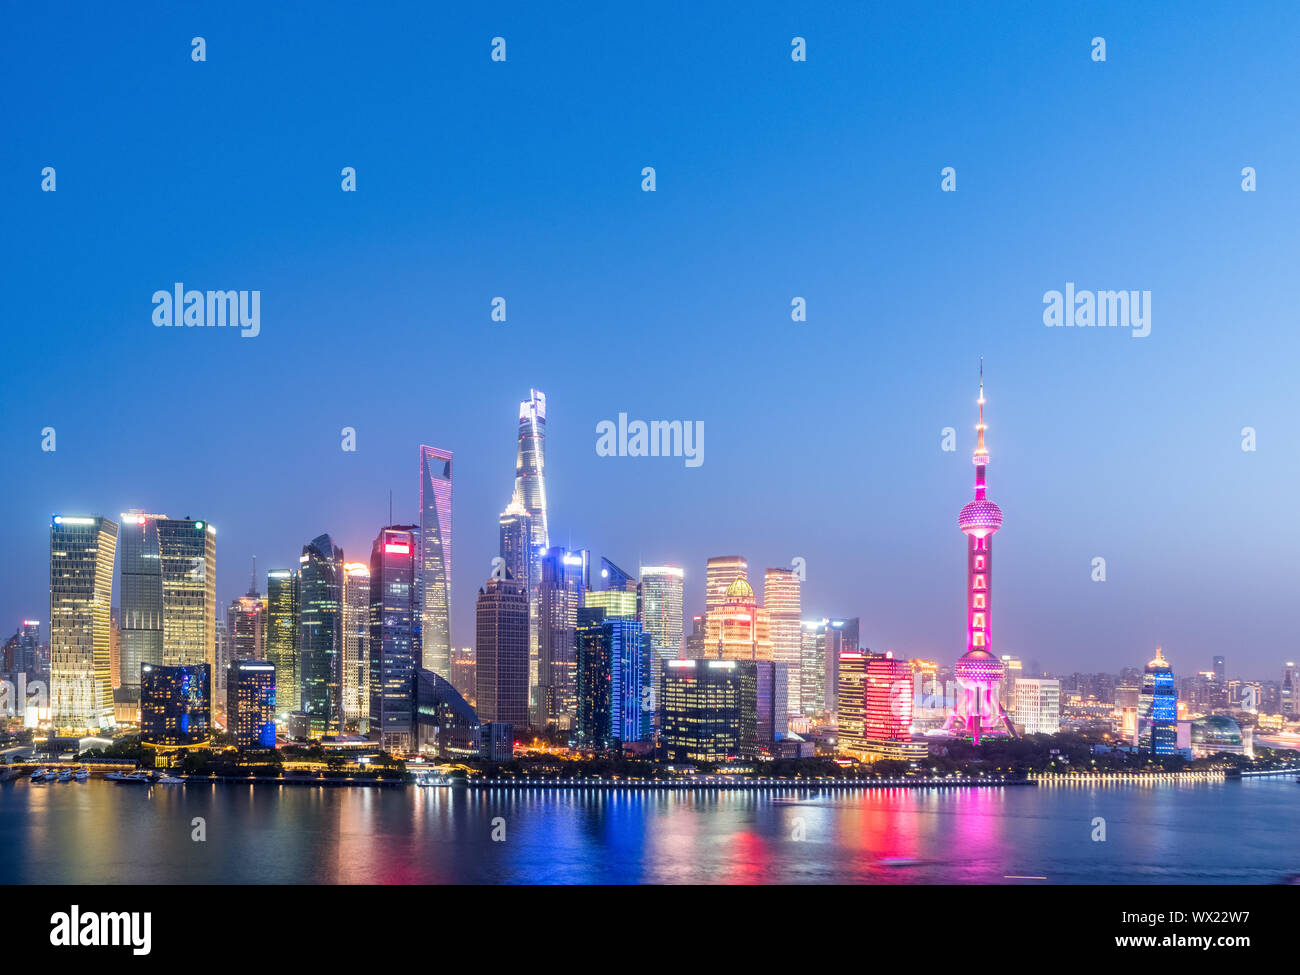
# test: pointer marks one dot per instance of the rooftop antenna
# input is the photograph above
(390, 505)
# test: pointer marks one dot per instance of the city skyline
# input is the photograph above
(903, 292)
(693, 598)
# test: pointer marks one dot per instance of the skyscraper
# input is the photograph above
(889, 699)
(563, 579)
(187, 550)
(516, 548)
(781, 600)
(1157, 716)
(501, 652)
(851, 701)
(530, 495)
(615, 602)
(356, 643)
(282, 621)
(435, 560)
(394, 646)
(614, 657)
(744, 631)
(1038, 705)
(720, 572)
(250, 703)
(139, 599)
(661, 612)
(82, 552)
(530, 467)
(320, 635)
(812, 667)
(701, 710)
(245, 624)
(978, 672)
(175, 705)
(1290, 692)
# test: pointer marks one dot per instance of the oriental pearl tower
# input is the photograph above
(979, 672)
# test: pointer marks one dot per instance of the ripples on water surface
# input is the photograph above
(99, 832)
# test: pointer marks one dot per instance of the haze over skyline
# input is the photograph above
(775, 180)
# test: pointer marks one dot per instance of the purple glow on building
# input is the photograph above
(979, 671)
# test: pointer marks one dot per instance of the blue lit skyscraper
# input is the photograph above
(1158, 708)
(614, 662)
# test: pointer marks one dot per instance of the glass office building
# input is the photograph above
(82, 552)
(394, 640)
(250, 703)
(282, 636)
(435, 559)
(175, 705)
(320, 635)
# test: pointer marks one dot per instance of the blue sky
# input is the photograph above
(775, 179)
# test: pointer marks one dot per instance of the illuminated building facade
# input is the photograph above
(743, 627)
(516, 544)
(501, 652)
(781, 602)
(701, 710)
(114, 653)
(564, 578)
(140, 603)
(82, 552)
(356, 644)
(1038, 705)
(889, 699)
(445, 724)
(1012, 668)
(765, 714)
(720, 573)
(434, 560)
(394, 642)
(615, 659)
(851, 701)
(187, 549)
(614, 602)
(245, 627)
(1157, 715)
(1290, 692)
(530, 495)
(979, 673)
(320, 635)
(250, 703)
(175, 705)
(282, 621)
(812, 667)
(661, 611)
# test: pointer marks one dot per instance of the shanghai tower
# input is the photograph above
(530, 494)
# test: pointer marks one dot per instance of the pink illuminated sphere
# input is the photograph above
(980, 518)
(977, 669)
